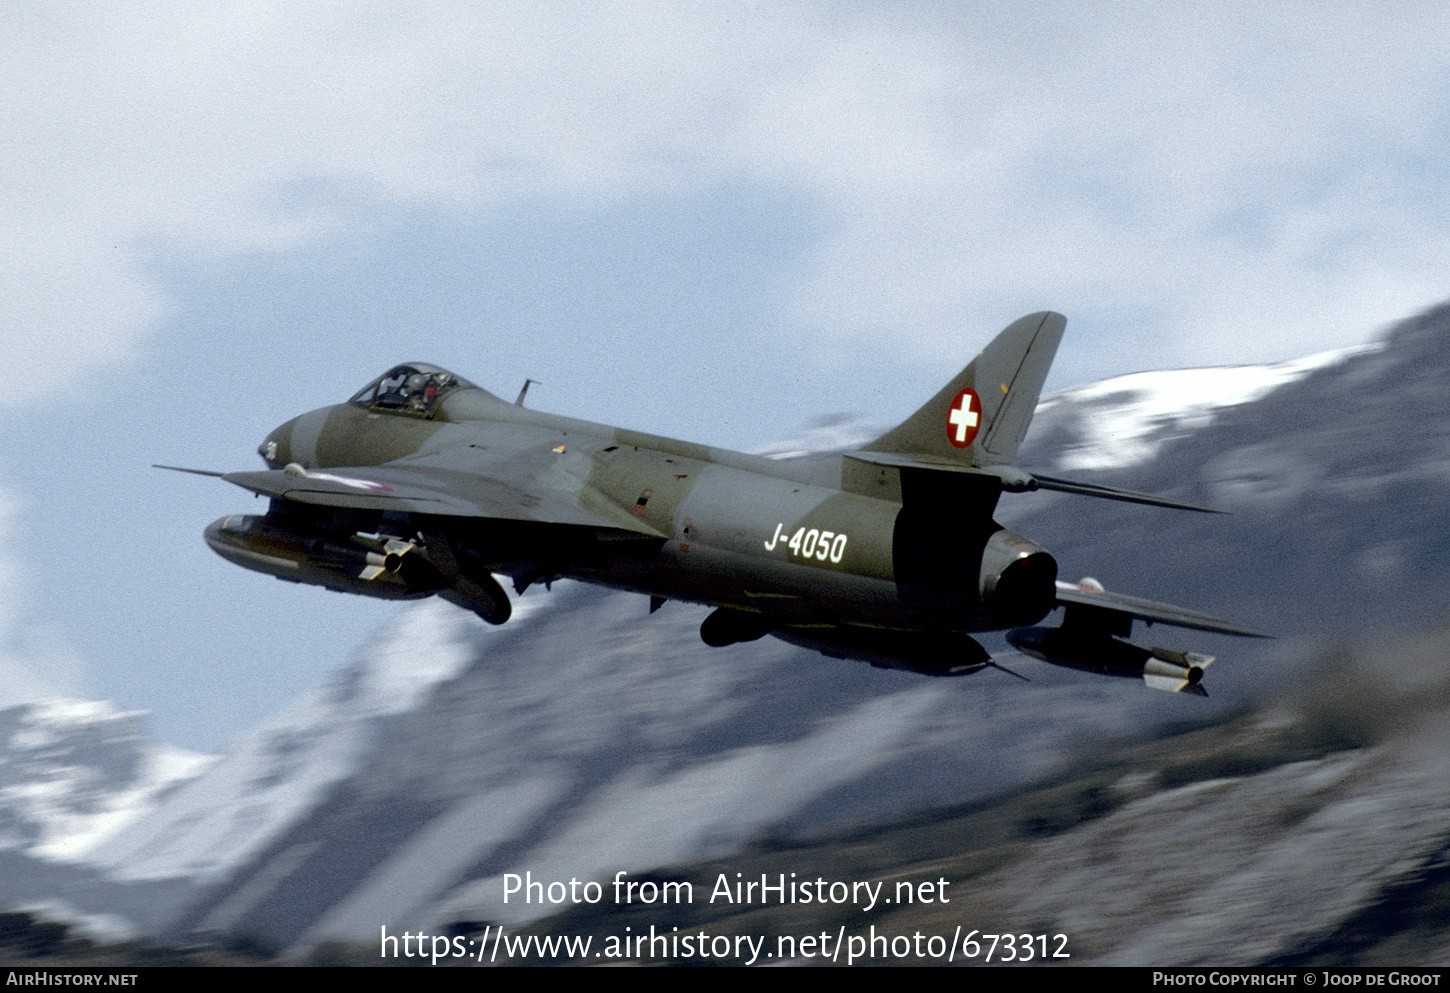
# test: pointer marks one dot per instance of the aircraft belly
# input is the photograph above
(783, 589)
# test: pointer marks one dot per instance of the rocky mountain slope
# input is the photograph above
(1309, 830)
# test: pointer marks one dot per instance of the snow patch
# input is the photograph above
(1124, 421)
(75, 771)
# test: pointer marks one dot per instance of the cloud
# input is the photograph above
(1234, 174)
(1264, 177)
(36, 661)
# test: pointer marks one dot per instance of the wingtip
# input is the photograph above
(194, 472)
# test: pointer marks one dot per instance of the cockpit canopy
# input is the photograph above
(415, 388)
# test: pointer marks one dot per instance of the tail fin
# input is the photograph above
(981, 416)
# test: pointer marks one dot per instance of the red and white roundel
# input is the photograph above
(964, 417)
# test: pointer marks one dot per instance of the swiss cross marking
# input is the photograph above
(963, 418)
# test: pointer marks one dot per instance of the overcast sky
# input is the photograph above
(714, 221)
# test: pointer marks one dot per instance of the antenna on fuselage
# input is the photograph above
(520, 401)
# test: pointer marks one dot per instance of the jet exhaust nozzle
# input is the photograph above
(1018, 579)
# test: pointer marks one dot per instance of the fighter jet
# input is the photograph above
(424, 484)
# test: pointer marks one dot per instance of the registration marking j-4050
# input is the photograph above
(812, 543)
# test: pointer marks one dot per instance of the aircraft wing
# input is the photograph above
(517, 492)
(1089, 604)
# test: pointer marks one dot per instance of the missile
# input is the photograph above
(1159, 668)
(372, 566)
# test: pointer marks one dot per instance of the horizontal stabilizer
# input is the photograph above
(1016, 480)
(1109, 493)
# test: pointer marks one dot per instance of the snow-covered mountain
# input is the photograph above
(1122, 422)
(588, 736)
(592, 737)
(280, 772)
(1113, 424)
(73, 773)
(837, 432)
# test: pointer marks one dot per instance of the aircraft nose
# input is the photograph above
(276, 448)
(296, 441)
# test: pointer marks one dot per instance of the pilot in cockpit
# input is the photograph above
(418, 391)
(415, 389)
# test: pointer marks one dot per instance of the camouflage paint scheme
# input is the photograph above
(423, 483)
